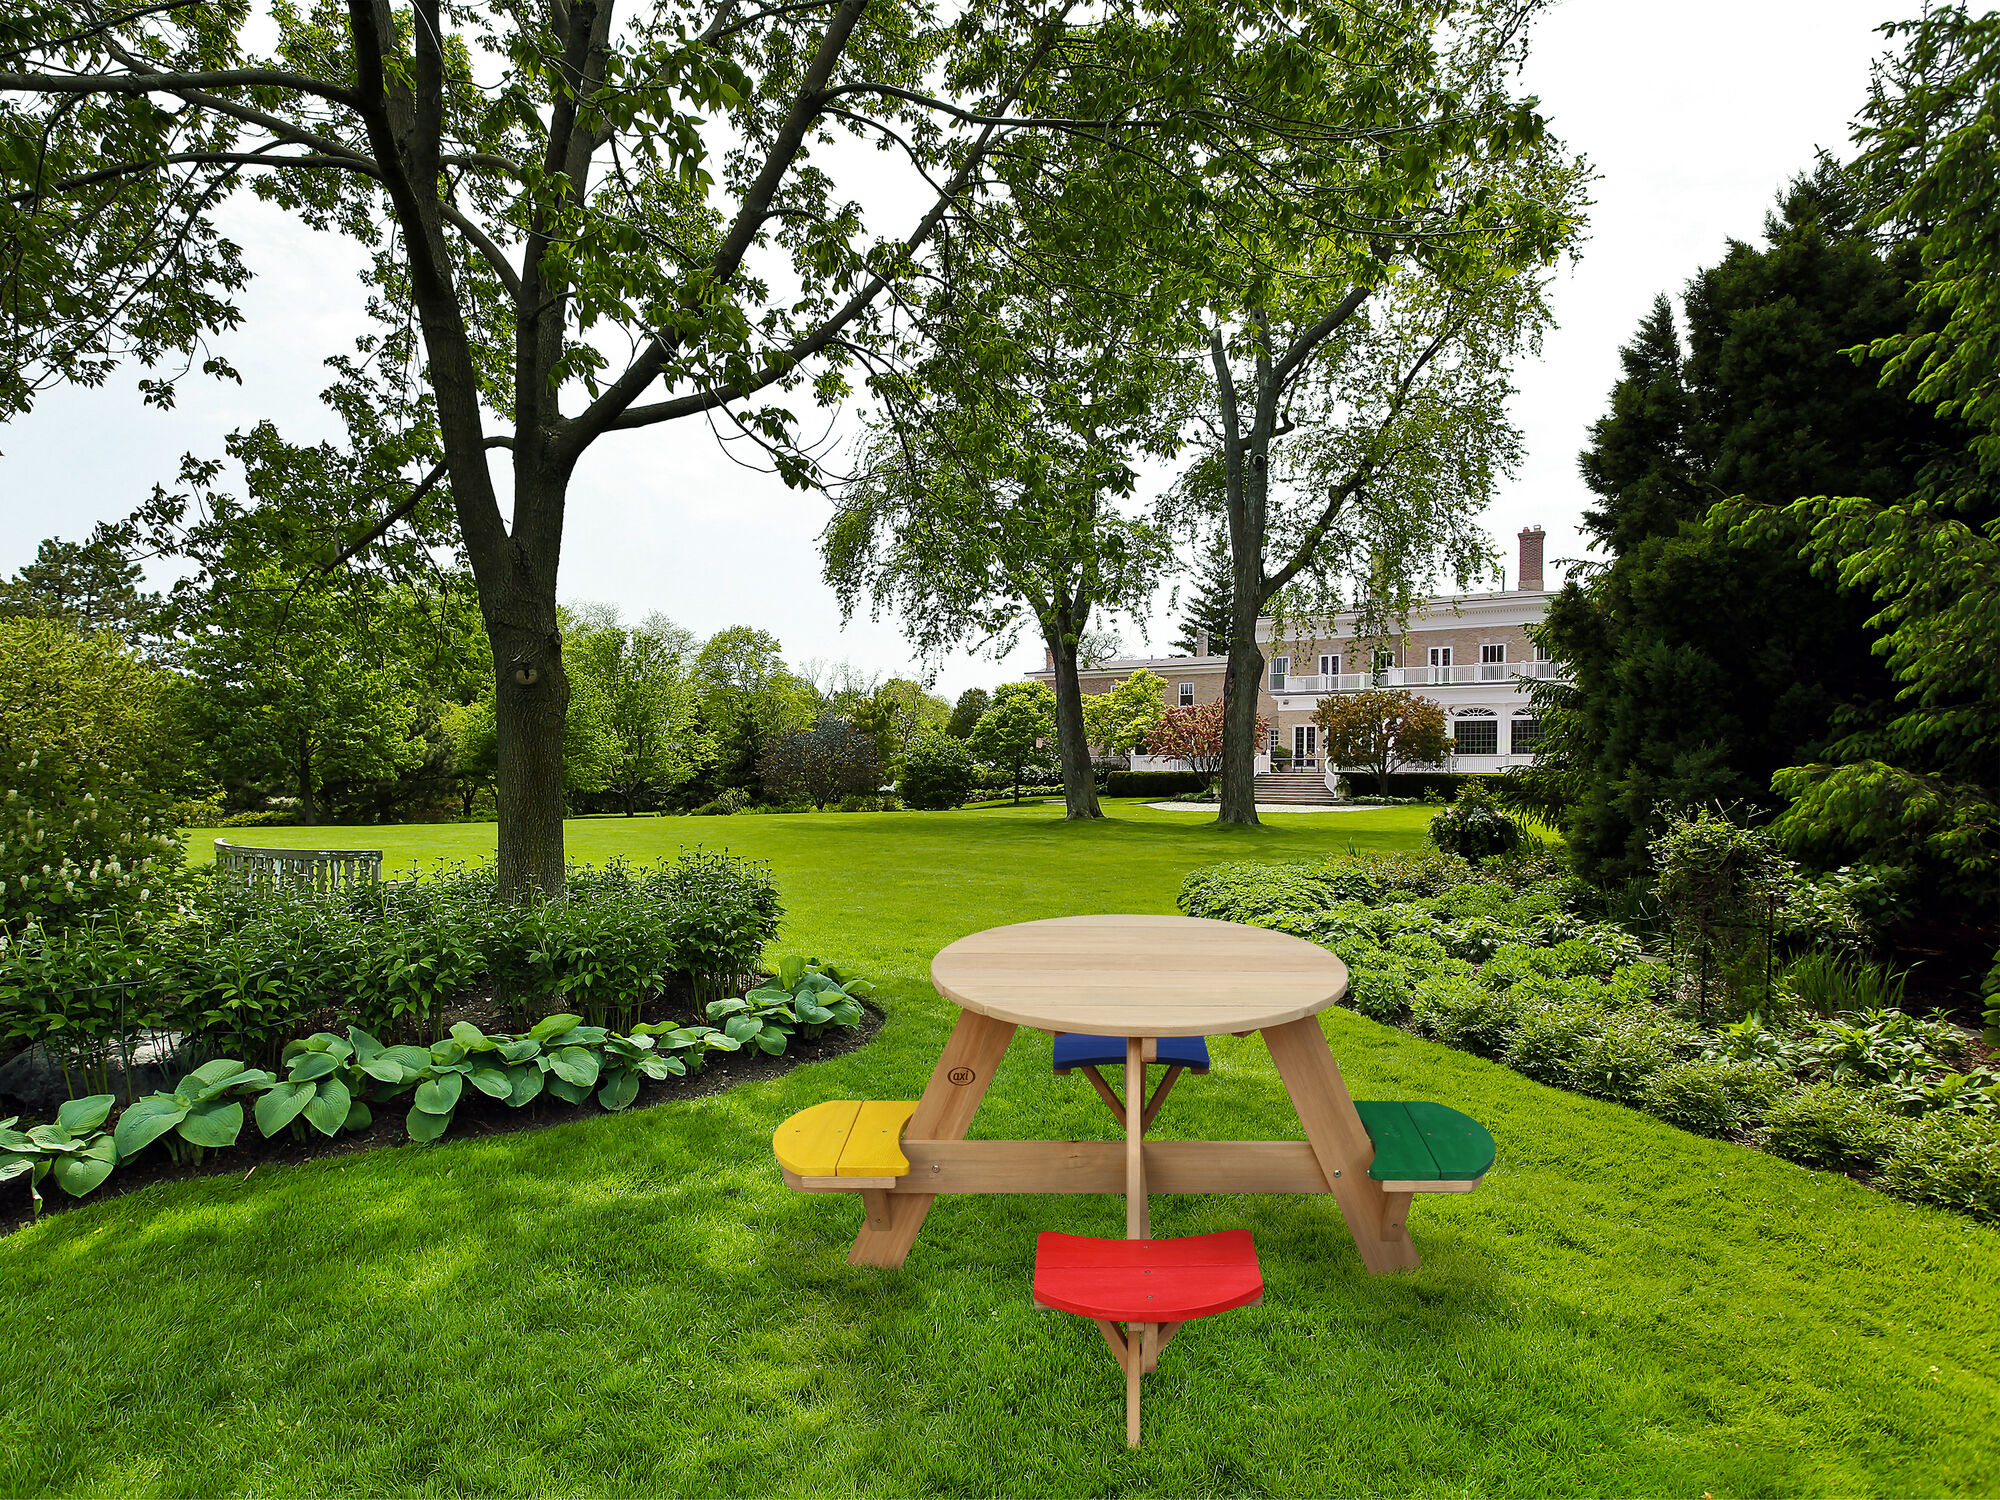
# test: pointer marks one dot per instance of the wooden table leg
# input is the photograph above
(958, 1083)
(1341, 1145)
(1138, 1222)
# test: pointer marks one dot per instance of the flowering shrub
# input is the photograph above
(90, 751)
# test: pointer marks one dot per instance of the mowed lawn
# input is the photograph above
(636, 1305)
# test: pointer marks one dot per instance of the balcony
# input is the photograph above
(1416, 677)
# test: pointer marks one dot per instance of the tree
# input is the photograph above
(937, 772)
(747, 696)
(92, 758)
(1124, 718)
(581, 219)
(1917, 787)
(1358, 348)
(1699, 662)
(1197, 736)
(1383, 730)
(972, 703)
(896, 711)
(90, 584)
(990, 490)
(1013, 732)
(820, 764)
(1205, 626)
(645, 701)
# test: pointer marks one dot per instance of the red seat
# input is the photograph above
(1147, 1281)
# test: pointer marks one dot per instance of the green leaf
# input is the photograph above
(568, 1092)
(741, 1029)
(13, 1164)
(439, 1095)
(470, 1037)
(359, 1116)
(213, 1123)
(813, 1015)
(280, 1105)
(364, 1045)
(444, 1054)
(327, 1111)
(81, 1116)
(790, 970)
(146, 1120)
(524, 1084)
(519, 1049)
(310, 1065)
(554, 1026)
(77, 1175)
(54, 1138)
(384, 1070)
(409, 1059)
(425, 1126)
(215, 1071)
(574, 1065)
(772, 1040)
(492, 1081)
(717, 1009)
(620, 1091)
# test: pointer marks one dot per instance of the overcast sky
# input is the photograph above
(1693, 114)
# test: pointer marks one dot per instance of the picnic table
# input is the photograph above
(1140, 977)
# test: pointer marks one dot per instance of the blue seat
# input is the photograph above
(1077, 1050)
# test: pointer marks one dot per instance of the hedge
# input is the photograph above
(1153, 783)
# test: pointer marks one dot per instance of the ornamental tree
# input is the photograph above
(1196, 735)
(1382, 730)
(1125, 717)
(1014, 732)
(582, 218)
(821, 764)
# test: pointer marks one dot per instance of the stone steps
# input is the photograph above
(1300, 787)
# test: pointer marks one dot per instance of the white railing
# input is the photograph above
(1410, 677)
(315, 869)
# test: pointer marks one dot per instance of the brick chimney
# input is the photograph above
(1531, 559)
(1049, 655)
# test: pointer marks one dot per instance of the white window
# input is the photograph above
(1281, 667)
(1541, 652)
(1329, 666)
(1527, 733)
(1440, 656)
(1476, 736)
(1272, 748)
(1187, 695)
(1305, 747)
(1496, 652)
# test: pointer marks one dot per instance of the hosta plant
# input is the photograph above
(75, 1150)
(197, 1116)
(806, 996)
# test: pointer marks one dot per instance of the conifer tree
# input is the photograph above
(1209, 610)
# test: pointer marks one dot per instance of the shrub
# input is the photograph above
(1949, 1160)
(1626, 1051)
(1473, 828)
(91, 753)
(1550, 1036)
(821, 764)
(1157, 785)
(856, 802)
(1379, 985)
(721, 911)
(937, 773)
(1459, 1011)
(1247, 892)
(268, 817)
(1377, 873)
(1713, 1095)
(1825, 1125)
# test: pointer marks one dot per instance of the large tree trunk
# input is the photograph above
(308, 804)
(1241, 680)
(530, 712)
(1072, 742)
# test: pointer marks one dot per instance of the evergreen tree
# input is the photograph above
(1209, 610)
(971, 706)
(1701, 662)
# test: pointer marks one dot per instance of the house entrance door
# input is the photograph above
(1305, 747)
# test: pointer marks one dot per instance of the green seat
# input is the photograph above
(1422, 1147)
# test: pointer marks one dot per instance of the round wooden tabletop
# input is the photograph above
(1139, 975)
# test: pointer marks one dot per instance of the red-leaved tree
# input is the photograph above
(1194, 734)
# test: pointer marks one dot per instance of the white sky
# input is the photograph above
(1694, 115)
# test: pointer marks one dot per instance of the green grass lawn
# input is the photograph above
(636, 1304)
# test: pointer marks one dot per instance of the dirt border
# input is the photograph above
(477, 1116)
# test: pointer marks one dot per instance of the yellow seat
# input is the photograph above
(844, 1144)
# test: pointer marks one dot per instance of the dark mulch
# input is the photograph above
(476, 1116)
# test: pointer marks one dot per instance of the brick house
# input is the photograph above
(1470, 652)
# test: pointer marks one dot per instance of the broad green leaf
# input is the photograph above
(13, 1164)
(470, 1037)
(439, 1095)
(310, 1065)
(717, 1009)
(53, 1138)
(524, 1084)
(813, 1015)
(568, 1092)
(790, 970)
(444, 1054)
(77, 1175)
(554, 1026)
(742, 1028)
(327, 1110)
(146, 1120)
(519, 1049)
(574, 1065)
(214, 1123)
(281, 1103)
(425, 1126)
(364, 1045)
(81, 1116)
(384, 1069)
(491, 1081)
(214, 1071)
(359, 1116)
(772, 1040)
(409, 1059)
(620, 1091)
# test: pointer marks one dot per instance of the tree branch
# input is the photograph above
(173, 83)
(402, 509)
